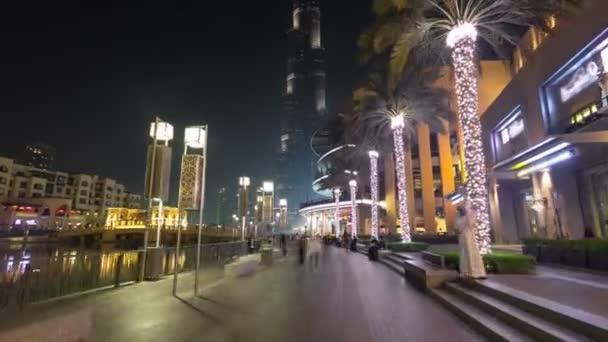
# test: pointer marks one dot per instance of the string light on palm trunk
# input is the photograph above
(353, 207)
(462, 42)
(373, 181)
(397, 124)
(337, 193)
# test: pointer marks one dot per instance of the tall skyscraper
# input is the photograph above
(304, 104)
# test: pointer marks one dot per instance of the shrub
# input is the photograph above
(408, 247)
(511, 263)
(597, 245)
(497, 262)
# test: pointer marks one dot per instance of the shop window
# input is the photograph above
(510, 135)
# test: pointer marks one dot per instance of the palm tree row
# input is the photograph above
(420, 35)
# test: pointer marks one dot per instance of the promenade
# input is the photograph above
(345, 298)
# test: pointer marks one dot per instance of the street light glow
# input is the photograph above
(164, 132)
(268, 186)
(195, 137)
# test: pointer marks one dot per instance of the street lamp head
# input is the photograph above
(337, 191)
(164, 131)
(398, 121)
(353, 183)
(373, 154)
(268, 186)
(156, 199)
(244, 181)
(195, 137)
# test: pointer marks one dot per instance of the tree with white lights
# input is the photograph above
(425, 27)
(384, 108)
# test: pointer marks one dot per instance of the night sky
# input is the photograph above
(89, 79)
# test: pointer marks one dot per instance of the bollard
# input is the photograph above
(119, 261)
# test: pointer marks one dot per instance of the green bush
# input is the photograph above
(497, 262)
(408, 247)
(508, 263)
(597, 245)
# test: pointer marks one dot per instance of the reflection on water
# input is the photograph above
(37, 272)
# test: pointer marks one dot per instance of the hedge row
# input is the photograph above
(497, 262)
(592, 253)
(408, 247)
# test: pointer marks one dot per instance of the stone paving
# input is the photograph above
(344, 298)
(577, 289)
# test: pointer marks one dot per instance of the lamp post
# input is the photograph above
(353, 206)
(159, 219)
(192, 190)
(159, 131)
(373, 175)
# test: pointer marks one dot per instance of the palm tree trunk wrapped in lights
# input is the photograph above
(353, 208)
(397, 124)
(337, 211)
(461, 40)
(373, 181)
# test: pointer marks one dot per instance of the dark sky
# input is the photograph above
(89, 79)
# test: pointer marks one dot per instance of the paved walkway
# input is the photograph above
(345, 298)
(576, 289)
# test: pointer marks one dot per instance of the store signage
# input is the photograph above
(512, 131)
(583, 77)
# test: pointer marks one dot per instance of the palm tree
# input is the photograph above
(382, 107)
(426, 25)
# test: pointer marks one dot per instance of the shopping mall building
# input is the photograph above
(546, 134)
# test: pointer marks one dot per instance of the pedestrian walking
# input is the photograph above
(302, 248)
(284, 244)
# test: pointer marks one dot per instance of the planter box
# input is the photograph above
(550, 254)
(598, 260)
(575, 257)
(532, 250)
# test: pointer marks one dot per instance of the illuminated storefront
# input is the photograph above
(547, 135)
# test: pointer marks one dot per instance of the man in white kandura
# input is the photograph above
(471, 262)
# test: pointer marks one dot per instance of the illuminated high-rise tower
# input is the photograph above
(304, 104)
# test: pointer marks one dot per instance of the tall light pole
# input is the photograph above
(373, 175)
(398, 124)
(353, 206)
(337, 194)
(157, 176)
(192, 190)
